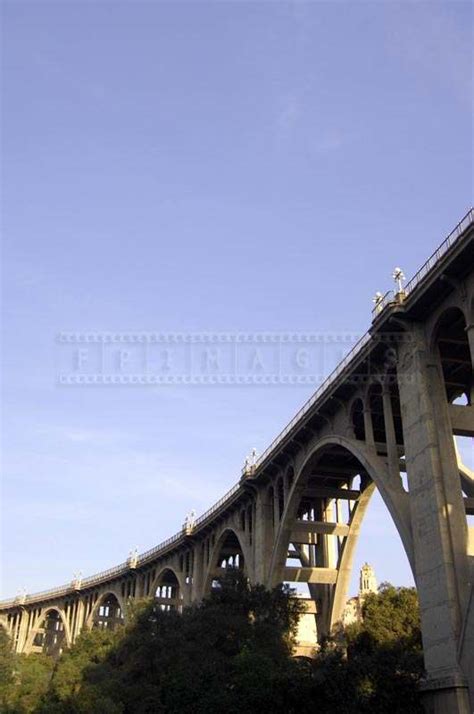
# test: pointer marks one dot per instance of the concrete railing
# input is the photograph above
(389, 298)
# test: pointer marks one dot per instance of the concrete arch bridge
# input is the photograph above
(384, 419)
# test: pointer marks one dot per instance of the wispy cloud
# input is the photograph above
(294, 125)
(429, 39)
(288, 114)
(76, 434)
(325, 142)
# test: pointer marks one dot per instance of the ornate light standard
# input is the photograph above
(399, 276)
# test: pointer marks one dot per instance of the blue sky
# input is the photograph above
(202, 167)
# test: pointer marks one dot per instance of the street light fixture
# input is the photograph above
(399, 276)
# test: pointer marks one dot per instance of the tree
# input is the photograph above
(67, 692)
(390, 616)
(23, 680)
(232, 653)
(379, 666)
(7, 670)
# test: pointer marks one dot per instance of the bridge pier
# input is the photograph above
(438, 524)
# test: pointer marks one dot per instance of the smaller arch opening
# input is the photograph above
(108, 614)
(403, 474)
(50, 636)
(168, 593)
(455, 355)
(230, 556)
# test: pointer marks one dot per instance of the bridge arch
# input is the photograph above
(168, 589)
(50, 632)
(230, 551)
(108, 611)
(308, 508)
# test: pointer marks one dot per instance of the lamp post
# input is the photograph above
(377, 300)
(399, 276)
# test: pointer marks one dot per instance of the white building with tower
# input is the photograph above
(367, 584)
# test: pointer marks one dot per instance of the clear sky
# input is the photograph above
(224, 166)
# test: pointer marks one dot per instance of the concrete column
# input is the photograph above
(276, 506)
(330, 557)
(368, 428)
(470, 336)
(198, 573)
(438, 524)
(324, 551)
(263, 537)
(392, 451)
(22, 631)
(79, 620)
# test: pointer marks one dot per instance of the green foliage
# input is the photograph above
(379, 666)
(231, 653)
(7, 670)
(23, 680)
(91, 648)
(392, 616)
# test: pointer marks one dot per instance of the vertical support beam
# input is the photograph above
(276, 506)
(325, 557)
(438, 523)
(392, 451)
(79, 621)
(368, 427)
(198, 573)
(23, 631)
(470, 336)
(263, 536)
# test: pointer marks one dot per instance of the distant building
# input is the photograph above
(307, 631)
(367, 584)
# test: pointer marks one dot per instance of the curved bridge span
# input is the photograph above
(385, 418)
